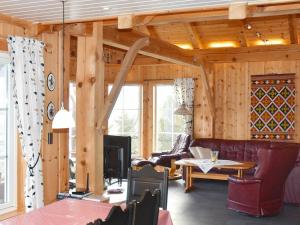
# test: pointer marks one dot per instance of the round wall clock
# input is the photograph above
(51, 82)
(50, 111)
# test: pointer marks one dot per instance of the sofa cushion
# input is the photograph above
(232, 150)
(213, 144)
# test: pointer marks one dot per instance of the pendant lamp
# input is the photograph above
(63, 119)
(182, 110)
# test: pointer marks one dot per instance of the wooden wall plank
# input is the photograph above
(50, 151)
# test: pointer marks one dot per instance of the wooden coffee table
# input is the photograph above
(190, 174)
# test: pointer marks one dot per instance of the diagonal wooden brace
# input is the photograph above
(120, 79)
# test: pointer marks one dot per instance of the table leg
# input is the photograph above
(188, 182)
(240, 173)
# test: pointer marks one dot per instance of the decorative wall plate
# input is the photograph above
(51, 82)
(50, 111)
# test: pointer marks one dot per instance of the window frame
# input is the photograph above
(11, 137)
(140, 112)
(155, 133)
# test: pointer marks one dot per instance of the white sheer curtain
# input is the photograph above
(184, 92)
(28, 86)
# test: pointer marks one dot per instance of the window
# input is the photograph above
(167, 125)
(125, 119)
(7, 142)
(72, 136)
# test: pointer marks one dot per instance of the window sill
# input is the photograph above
(10, 214)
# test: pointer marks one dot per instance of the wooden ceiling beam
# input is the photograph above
(157, 48)
(273, 10)
(293, 29)
(160, 50)
(252, 11)
(15, 21)
(194, 36)
(74, 29)
(251, 54)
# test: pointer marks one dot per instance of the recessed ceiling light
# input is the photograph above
(248, 26)
(222, 44)
(184, 46)
(105, 8)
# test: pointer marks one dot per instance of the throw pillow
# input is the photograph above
(200, 152)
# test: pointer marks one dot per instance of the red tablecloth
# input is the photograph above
(72, 212)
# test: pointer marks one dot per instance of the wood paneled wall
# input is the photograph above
(232, 95)
(230, 86)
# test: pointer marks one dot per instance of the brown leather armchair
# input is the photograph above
(180, 150)
(262, 194)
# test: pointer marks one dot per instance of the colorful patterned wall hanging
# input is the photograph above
(273, 107)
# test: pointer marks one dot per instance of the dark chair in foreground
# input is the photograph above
(147, 209)
(147, 179)
(117, 216)
(262, 194)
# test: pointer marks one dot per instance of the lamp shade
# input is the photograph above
(182, 110)
(63, 119)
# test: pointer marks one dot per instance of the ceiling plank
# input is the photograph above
(194, 36)
(293, 29)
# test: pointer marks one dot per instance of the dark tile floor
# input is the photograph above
(206, 205)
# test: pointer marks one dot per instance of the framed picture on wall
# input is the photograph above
(51, 82)
(50, 111)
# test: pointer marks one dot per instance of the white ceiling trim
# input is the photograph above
(43, 11)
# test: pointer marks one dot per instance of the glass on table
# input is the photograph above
(214, 156)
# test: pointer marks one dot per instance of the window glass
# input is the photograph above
(72, 136)
(7, 141)
(167, 125)
(125, 119)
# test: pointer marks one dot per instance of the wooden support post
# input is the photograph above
(210, 100)
(89, 107)
(120, 79)
(63, 135)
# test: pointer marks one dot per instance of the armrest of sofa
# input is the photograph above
(237, 187)
(244, 180)
(157, 154)
(175, 156)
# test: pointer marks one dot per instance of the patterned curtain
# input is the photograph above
(27, 78)
(184, 92)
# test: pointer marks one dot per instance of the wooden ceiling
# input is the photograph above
(238, 33)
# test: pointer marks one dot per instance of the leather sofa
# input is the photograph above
(262, 193)
(247, 150)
